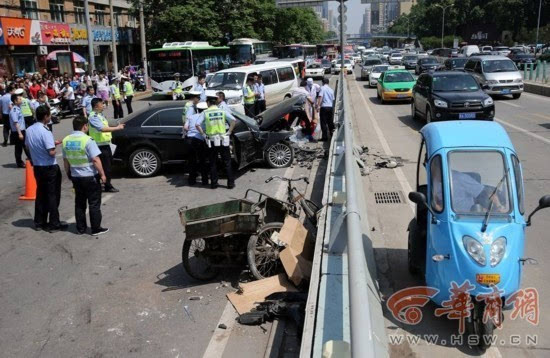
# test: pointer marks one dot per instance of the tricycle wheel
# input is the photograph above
(263, 253)
(195, 260)
(475, 327)
(416, 253)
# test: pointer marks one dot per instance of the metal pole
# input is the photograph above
(113, 39)
(342, 36)
(538, 25)
(443, 27)
(143, 48)
(91, 65)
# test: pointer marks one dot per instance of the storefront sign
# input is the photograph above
(55, 33)
(79, 34)
(1, 34)
(103, 34)
(16, 31)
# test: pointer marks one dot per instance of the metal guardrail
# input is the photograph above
(538, 72)
(344, 308)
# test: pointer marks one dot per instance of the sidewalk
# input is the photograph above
(542, 89)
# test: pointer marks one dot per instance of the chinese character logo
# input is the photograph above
(493, 305)
(404, 304)
(526, 305)
(16, 32)
(459, 304)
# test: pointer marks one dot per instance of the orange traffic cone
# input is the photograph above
(30, 183)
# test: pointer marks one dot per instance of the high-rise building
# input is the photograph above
(366, 25)
(405, 6)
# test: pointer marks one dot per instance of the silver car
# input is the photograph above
(496, 74)
(367, 66)
(375, 74)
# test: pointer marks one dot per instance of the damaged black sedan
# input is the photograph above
(153, 138)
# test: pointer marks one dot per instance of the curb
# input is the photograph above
(143, 94)
(536, 88)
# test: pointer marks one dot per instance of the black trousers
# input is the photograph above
(260, 106)
(225, 154)
(128, 101)
(117, 108)
(70, 105)
(106, 158)
(327, 122)
(87, 193)
(250, 110)
(197, 152)
(7, 128)
(29, 121)
(48, 195)
(19, 146)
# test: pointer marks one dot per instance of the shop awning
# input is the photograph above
(52, 56)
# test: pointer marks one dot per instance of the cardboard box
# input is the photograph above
(296, 257)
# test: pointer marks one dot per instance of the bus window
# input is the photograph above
(205, 61)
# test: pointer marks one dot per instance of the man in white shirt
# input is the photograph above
(68, 96)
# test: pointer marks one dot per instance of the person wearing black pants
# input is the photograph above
(6, 129)
(106, 158)
(17, 125)
(326, 102)
(5, 104)
(197, 153)
(225, 154)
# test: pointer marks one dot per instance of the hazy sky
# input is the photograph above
(354, 13)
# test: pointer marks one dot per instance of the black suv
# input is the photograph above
(440, 96)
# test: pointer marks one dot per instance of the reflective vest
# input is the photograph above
(185, 108)
(128, 89)
(115, 92)
(249, 96)
(74, 147)
(26, 108)
(101, 138)
(214, 119)
(179, 88)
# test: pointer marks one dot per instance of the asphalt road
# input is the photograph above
(122, 294)
(389, 130)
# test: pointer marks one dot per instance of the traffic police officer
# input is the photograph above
(26, 109)
(177, 87)
(87, 100)
(17, 124)
(211, 123)
(83, 167)
(199, 87)
(128, 93)
(249, 97)
(101, 133)
(41, 145)
(221, 102)
(194, 141)
(259, 90)
(116, 98)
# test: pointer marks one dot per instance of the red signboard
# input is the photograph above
(55, 33)
(16, 31)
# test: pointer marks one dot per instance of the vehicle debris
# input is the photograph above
(277, 305)
(195, 298)
(186, 309)
(222, 326)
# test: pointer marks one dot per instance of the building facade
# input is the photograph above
(30, 30)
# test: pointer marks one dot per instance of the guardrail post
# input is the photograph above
(537, 71)
(544, 77)
(524, 71)
(530, 72)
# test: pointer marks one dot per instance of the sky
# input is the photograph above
(354, 13)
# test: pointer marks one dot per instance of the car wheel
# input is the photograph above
(144, 162)
(279, 155)
(516, 95)
(414, 114)
(429, 118)
(377, 94)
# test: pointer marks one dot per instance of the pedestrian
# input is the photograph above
(6, 105)
(41, 145)
(326, 105)
(221, 102)
(26, 110)
(17, 124)
(95, 78)
(100, 131)
(68, 97)
(177, 87)
(128, 91)
(211, 125)
(259, 90)
(313, 91)
(116, 98)
(87, 101)
(103, 88)
(194, 141)
(83, 166)
(249, 97)
(199, 87)
(42, 100)
(34, 89)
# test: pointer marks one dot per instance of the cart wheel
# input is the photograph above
(475, 327)
(196, 261)
(263, 254)
(311, 209)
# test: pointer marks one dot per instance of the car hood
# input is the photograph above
(429, 65)
(462, 96)
(228, 93)
(375, 74)
(271, 116)
(498, 76)
(394, 85)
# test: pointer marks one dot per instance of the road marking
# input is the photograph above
(524, 131)
(510, 104)
(219, 339)
(541, 116)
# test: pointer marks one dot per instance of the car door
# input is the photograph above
(380, 83)
(171, 142)
(421, 93)
(271, 83)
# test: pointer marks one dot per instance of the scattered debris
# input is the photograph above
(296, 257)
(263, 329)
(195, 298)
(222, 326)
(188, 290)
(186, 309)
(277, 305)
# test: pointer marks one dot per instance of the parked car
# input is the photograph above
(522, 59)
(496, 74)
(456, 63)
(486, 48)
(367, 67)
(327, 66)
(348, 67)
(395, 58)
(152, 138)
(441, 54)
(375, 74)
(468, 50)
(422, 54)
(450, 95)
(426, 64)
(501, 50)
(409, 61)
(315, 70)
(395, 85)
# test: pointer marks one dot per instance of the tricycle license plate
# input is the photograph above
(505, 91)
(402, 95)
(466, 115)
(488, 278)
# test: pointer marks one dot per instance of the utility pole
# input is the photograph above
(443, 22)
(143, 48)
(342, 35)
(113, 39)
(91, 65)
(538, 25)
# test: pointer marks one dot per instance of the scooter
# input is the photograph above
(467, 238)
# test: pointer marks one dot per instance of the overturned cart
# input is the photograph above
(228, 234)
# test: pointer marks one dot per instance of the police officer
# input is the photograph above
(249, 97)
(177, 88)
(41, 100)
(199, 87)
(259, 90)
(17, 124)
(190, 107)
(6, 105)
(194, 141)
(83, 167)
(326, 103)
(26, 109)
(221, 102)
(87, 100)
(211, 124)
(101, 133)
(41, 145)
(116, 98)
(128, 90)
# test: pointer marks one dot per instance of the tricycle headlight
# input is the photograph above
(488, 102)
(441, 104)
(498, 249)
(235, 100)
(474, 249)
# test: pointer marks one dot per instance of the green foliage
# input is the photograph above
(430, 42)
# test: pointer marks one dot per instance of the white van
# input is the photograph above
(468, 50)
(279, 79)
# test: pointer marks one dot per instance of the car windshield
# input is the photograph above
(410, 58)
(227, 81)
(474, 176)
(454, 83)
(428, 61)
(325, 62)
(492, 66)
(398, 77)
(346, 62)
(459, 62)
(501, 48)
(372, 62)
(396, 54)
(379, 69)
(314, 65)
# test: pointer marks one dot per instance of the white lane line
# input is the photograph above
(510, 104)
(533, 95)
(492, 352)
(541, 116)
(524, 131)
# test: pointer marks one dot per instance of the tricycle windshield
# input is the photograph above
(474, 177)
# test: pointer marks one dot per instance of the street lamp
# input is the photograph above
(443, 22)
(538, 25)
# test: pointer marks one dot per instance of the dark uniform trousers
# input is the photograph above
(48, 195)
(225, 154)
(260, 106)
(19, 146)
(128, 101)
(87, 192)
(327, 122)
(197, 153)
(106, 158)
(250, 110)
(7, 128)
(117, 108)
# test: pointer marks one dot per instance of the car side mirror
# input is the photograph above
(418, 198)
(485, 87)
(544, 202)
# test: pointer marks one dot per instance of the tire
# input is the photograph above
(260, 246)
(412, 249)
(279, 155)
(476, 327)
(516, 95)
(144, 162)
(190, 254)
(378, 95)
(311, 209)
(429, 118)
(414, 113)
